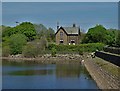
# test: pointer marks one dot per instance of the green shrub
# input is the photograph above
(90, 47)
(16, 42)
(53, 52)
(5, 51)
(30, 51)
(80, 51)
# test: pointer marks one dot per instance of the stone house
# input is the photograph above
(68, 35)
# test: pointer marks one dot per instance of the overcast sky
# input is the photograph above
(85, 15)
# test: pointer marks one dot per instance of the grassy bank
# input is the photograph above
(104, 73)
(109, 67)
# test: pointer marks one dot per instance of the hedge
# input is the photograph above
(90, 47)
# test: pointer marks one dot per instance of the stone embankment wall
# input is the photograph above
(47, 58)
(103, 79)
(115, 59)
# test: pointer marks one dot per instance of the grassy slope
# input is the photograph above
(111, 68)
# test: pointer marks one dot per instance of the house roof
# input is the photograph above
(69, 30)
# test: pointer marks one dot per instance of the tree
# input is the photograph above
(118, 39)
(5, 51)
(16, 42)
(110, 37)
(30, 51)
(25, 28)
(50, 35)
(100, 34)
(35, 48)
(43, 31)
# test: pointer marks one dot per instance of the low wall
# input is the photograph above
(115, 59)
(112, 50)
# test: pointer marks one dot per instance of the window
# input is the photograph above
(73, 42)
(61, 34)
(61, 41)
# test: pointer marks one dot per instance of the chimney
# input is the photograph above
(57, 25)
(74, 25)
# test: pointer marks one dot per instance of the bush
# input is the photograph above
(30, 51)
(53, 52)
(35, 48)
(90, 47)
(5, 51)
(16, 42)
(80, 51)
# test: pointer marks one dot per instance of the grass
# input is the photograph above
(109, 67)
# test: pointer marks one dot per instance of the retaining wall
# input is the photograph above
(115, 59)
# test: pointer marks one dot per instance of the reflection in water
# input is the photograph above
(68, 70)
(31, 72)
(46, 76)
(71, 70)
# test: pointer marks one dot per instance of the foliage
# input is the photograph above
(118, 39)
(100, 34)
(43, 31)
(90, 47)
(25, 28)
(5, 51)
(53, 52)
(35, 48)
(95, 34)
(110, 37)
(43, 42)
(80, 51)
(30, 51)
(16, 42)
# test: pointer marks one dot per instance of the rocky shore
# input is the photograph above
(47, 58)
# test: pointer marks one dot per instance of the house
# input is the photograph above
(68, 35)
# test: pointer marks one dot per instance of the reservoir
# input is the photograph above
(45, 76)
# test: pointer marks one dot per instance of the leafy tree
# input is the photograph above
(54, 52)
(110, 37)
(118, 39)
(100, 34)
(35, 48)
(50, 35)
(6, 31)
(6, 51)
(17, 41)
(95, 34)
(30, 51)
(43, 31)
(25, 28)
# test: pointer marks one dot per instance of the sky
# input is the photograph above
(59, 0)
(83, 14)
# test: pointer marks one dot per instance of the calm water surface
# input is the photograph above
(46, 76)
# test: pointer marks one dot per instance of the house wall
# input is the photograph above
(73, 38)
(58, 37)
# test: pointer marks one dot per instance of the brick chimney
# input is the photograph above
(74, 25)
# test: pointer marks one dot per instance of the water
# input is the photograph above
(46, 76)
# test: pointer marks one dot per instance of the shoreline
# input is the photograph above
(59, 59)
(97, 73)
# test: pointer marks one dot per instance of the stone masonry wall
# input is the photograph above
(103, 79)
